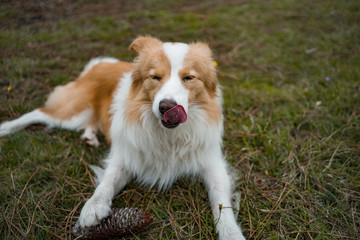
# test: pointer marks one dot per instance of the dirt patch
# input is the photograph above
(19, 13)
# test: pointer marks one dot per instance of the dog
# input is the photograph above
(162, 116)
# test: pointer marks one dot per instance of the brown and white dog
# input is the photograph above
(162, 116)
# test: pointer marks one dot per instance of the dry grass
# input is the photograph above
(290, 72)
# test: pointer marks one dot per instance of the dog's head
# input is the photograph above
(172, 78)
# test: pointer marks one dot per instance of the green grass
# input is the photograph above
(292, 135)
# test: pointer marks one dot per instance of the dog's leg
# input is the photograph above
(218, 183)
(89, 136)
(25, 120)
(98, 206)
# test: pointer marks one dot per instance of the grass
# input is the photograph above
(290, 75)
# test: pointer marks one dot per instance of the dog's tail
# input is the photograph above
(10, 127)
(40, 116)
(99, 172)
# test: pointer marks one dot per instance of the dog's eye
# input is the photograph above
(155, 77)
(188, 78)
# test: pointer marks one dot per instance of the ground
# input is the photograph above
(291, 82)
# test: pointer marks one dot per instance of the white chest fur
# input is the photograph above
(158, 156)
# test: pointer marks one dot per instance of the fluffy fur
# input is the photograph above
(123, 100)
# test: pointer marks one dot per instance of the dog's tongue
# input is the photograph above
(176, 114)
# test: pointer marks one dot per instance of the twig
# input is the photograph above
(247, 205)
(351, 117)
(228, 75)
(49, 231)
(22, 192)
(332, 158)
(87, 169)
(322, 233)
(12, 180)
(245, 157)
(70, 216)
(277, 204)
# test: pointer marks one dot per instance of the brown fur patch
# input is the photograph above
(95, 89)
(151, 62)
(199, 58)
(203, 86)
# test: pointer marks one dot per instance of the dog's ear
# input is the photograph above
(142, 43)
(202, 50)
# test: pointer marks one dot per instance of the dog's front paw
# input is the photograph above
(93, 212)
(232, 236)
(230, 232)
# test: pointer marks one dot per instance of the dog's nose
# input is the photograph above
(166, 104)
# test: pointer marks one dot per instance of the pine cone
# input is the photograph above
(121, 222)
